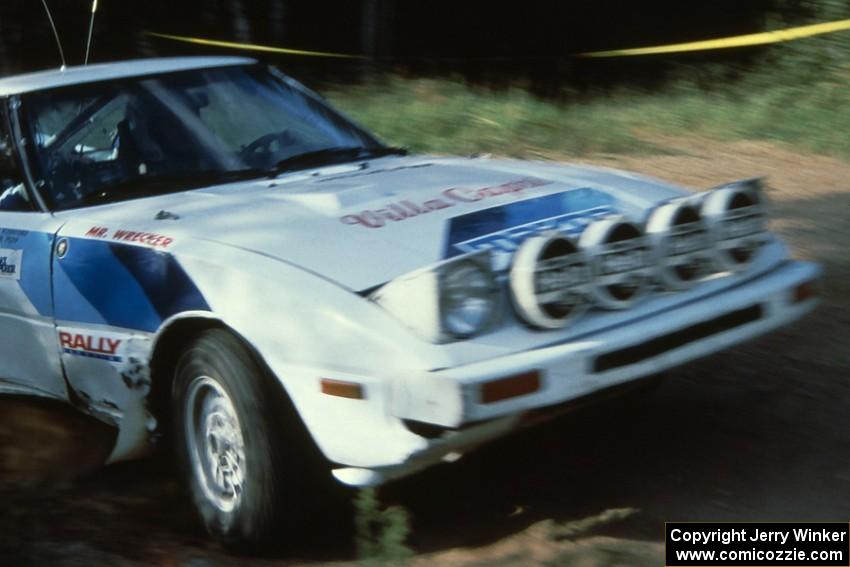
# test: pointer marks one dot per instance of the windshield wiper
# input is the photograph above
(143, 186)
(331, 156)
(381, 151)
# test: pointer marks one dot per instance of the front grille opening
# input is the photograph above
(431, 431)
(426, 430)
(671, 341)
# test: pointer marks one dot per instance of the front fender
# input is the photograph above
(305, 328)
(302, 316)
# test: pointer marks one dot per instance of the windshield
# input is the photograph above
(105, 142)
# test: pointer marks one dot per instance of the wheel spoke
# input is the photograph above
(215, 442)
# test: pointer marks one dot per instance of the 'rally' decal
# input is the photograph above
(90, 344)
(503, 228)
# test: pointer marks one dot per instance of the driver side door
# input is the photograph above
(29, 352)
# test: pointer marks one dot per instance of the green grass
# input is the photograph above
(797, 93)
(446, 116)
(381, 531)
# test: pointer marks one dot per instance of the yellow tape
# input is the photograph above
(748, 40)
(253, 47)
(762, 38)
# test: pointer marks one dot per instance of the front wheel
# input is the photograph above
(239, 444)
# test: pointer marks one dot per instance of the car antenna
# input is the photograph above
(55, 33)
(91, 29)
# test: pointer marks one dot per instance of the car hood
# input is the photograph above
(362, 225)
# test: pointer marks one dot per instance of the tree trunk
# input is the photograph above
(278, 15)
(241, 23)
(376, 31)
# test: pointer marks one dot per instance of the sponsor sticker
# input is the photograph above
(91, 344)
(10, 263)
(403, 210)
(150, 239)
(11, 236)
(502, 229)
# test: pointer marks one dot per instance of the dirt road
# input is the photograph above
(761, 432)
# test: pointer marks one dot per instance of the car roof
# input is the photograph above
(40, 80)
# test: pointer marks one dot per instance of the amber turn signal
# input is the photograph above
(806, 290)
(342, 389)
(510, 387)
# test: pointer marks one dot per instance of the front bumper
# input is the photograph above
(452, 398)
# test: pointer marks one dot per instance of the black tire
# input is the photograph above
(257, 493)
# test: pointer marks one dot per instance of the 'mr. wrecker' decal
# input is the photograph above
(151, 239)
(403, 210)
(503, 228)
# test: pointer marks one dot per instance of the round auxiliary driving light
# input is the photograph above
(620, 260)
(682, 245)
(549, 281)
(737, 224)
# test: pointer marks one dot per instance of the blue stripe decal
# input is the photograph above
(70, 303)
(504, 227)
(124, 285)
(166, 284)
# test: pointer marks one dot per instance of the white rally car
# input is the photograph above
(204, 249)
